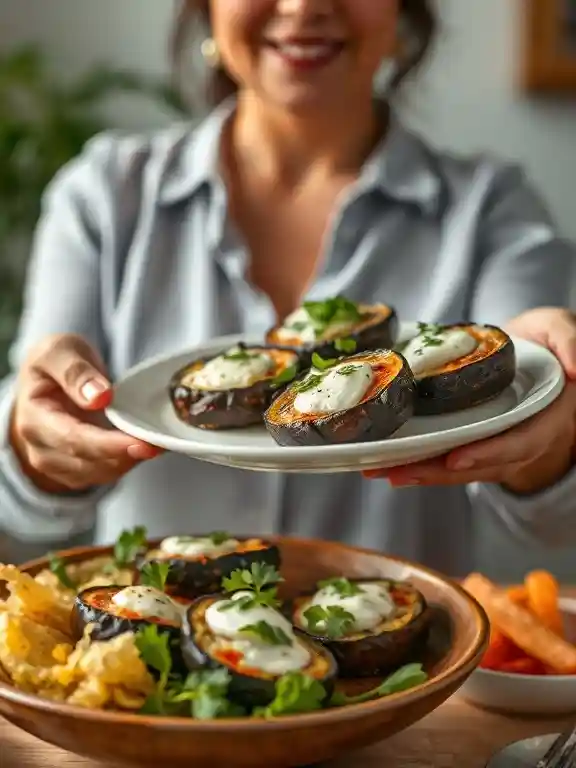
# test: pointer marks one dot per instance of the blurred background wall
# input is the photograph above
(468, 100)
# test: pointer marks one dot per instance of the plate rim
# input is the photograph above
(201, 449)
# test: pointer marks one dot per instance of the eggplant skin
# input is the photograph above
(380, 334)
(193, 578)
(471, 385)
(372, 655)
(246, 690)
(374, 419)
(225, 409)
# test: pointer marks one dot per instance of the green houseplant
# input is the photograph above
(43, 124)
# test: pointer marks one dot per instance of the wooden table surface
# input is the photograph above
(455, 736)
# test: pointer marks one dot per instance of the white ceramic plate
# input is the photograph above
(142, 409)
(526, 694)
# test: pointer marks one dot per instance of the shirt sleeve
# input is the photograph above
(62, 295)
(523, 264)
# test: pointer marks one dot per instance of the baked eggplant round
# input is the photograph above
(371, 626)
(231, 390)
(361, 398)
(199, 563)
(317, 325)
(114, 610)
(255, 661)
(459, 366)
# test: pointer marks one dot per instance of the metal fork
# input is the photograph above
(562, 753)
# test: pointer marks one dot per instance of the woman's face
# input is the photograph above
(303, 54)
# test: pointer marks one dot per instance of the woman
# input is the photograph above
(299, 185)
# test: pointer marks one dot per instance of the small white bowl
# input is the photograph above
(525, 694)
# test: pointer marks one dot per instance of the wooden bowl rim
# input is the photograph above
(467, 662)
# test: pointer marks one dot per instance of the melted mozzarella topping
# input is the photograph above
(233, 370)
(341, 388)
(149, 603)
(227, 626)
(300, 324)
(369, 607)
(190, 546)
(452, 345)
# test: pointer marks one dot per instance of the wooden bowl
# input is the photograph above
(458, 639)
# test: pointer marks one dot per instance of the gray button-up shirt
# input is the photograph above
(135, 251)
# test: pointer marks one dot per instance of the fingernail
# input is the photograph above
(461, 464)
(93, 389)
(142, 452)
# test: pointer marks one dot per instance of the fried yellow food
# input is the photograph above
(525, 629)
(543, 595)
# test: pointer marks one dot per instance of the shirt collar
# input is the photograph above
(402, 167)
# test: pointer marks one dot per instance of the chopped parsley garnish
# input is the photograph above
(219, 537)
(340, 586)
(347, 370)
(259, 581)
(295, 693)
(430, 335)
(331, 311)
(285, 376)
(129, 545)
(403, 679)
(155, 575)
(345, 345)
(332, 621)
(239, 354)
(267, 633)
(311, 381)
(58, 568)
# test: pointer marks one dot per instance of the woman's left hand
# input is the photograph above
(530, 457)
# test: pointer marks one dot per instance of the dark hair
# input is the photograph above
(417, 17)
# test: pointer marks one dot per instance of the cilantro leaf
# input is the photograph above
(267, 633)
(204, 693)
(345, 345)
(257, 578)
(154, 575)
(129, 545)
(154, 648)
(219, 537)
(58, 568)
(332, 621)
(295, 693)
(409, 676)
(340, 586)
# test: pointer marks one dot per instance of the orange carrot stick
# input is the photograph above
(543, 600)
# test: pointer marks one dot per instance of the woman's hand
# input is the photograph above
(58, 430)
(530, 457)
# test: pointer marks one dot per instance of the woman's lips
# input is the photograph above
(306, 54)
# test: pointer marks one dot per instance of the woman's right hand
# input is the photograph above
(58, 430)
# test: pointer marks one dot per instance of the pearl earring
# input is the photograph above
(210, 52)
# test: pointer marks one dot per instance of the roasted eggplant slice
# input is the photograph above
(257, 645)
(233, 389)
(199, 563)
(361, 398)
(459, 366)
(316, 325)
(113, 610)
(371, 626)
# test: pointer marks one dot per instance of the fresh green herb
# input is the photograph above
(259, 581)
(129, 545)
(267, 633)
(430, 334)
(154, 648)
(237, 354)
(347, 370)
(295, 693)
(322, 364)
(345, 345)
(297, 326)
(311, 381)
(334, 310)
(403, 679)
(58, 568)
(285, 376)
(332, 621)
(341, 586)
(155, 575)
(219, 537)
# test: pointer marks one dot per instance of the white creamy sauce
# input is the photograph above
(299, 324)
(370, 607)
(230, 372)
(340, 388)
(149, 603)
(227, 625)
(453, 344)
(191, 546)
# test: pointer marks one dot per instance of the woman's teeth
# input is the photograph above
(305, 52)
